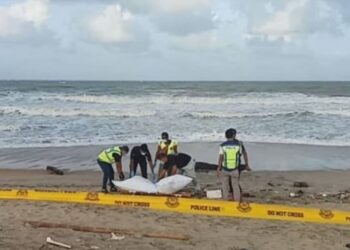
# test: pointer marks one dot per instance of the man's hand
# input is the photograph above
(121, 176)
(248, 168)
(218, 173)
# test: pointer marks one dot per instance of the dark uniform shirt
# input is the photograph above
(180, 160)
(136, 154)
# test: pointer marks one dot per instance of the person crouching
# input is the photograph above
(182, 163)
(105, 160)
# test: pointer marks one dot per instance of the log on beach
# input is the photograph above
(54, 170)
(205, 167)
(163, 235)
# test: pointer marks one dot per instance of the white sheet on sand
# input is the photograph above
(168, 185)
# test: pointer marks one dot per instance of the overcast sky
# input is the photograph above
(175, 39)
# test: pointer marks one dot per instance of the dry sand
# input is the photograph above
(205, 232)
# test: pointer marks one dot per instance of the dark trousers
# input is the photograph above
(143, 166)
(108, 173)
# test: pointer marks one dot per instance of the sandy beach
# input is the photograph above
(27, 170)
(205, 232)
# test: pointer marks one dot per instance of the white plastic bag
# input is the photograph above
(172, 184)
(137, 184)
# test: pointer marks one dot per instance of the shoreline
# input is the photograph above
(263, 156)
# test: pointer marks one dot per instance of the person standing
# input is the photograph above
(229, 165)
(181, 163)
(140, 155)
(105, 160)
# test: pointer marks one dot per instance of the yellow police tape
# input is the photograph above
(185, 205)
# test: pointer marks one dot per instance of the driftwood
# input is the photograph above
(54, 170)
(205, 167)
(172, 236)
(300, 184)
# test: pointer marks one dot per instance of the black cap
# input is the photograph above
(144, 148)
(165, 136)
(230, 133)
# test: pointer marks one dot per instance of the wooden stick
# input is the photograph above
(56, 243)
(172, 236)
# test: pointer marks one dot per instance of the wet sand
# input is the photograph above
(263, 156)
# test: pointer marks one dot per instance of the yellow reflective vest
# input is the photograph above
(107, 154)
(232, 153)
(168, 149)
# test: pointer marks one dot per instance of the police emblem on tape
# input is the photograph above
(172, 202)
(326, 214)
(22, 193)
(92, 196)
(244, 207)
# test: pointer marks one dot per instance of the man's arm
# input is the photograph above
(119, 168)
(173, 170)
(245, 157)
(161, 174)
(175, 149)
(220, 161)
(149, 159)
(156, 155)
(118, 165)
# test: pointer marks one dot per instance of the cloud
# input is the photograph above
(207, 40)
(166, 6)
(184, 23)
(178, 17)
(294, 19)
(113, 25)
(23, 17)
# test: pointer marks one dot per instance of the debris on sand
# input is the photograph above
(300, 184)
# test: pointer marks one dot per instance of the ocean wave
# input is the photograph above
(55, 112)
(9, 127)
(286, 114)
(237, 98)
(193, 137)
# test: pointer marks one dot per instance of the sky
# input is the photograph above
(213, 40)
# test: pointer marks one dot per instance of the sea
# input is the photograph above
(67, 113)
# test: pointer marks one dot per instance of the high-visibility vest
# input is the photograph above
(168, 149)
(231, 156)
(107, 154)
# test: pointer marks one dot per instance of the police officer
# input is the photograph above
(105, 160)
(140, 155)
(229, 165)
(166, 146)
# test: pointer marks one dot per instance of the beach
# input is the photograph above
(25, 168)
(293, 132)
